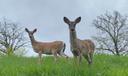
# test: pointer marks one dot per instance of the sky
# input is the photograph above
(47, 17)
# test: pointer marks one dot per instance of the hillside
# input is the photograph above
(104, 65)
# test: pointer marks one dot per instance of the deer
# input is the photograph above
(79, 48)
(48, 48)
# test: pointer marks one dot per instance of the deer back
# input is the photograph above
(47, 46)
(90, 45)
(85, 46)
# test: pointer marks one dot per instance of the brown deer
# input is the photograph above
(79, 47)
(54, 48)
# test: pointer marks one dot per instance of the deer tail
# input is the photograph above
(64, 47)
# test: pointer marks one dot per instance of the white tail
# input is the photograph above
(54, 48)
(79, 47)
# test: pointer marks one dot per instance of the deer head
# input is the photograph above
(72, 24)
(30, 33)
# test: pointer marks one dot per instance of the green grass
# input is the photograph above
(104, 65)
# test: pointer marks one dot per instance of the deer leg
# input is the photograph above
(87, 57)
(76, 55)
(75, 59)
(66, 56)
(63, 54)
(39, 57)
(80, 58)
(91, 57)
(55, 56)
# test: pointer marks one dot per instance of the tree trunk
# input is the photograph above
(116, 49)
(9, 51)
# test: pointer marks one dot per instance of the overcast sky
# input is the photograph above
(47, 16)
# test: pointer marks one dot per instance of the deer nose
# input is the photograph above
(72, 29)
(30, 35)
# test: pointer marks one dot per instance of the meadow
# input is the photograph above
(103, 65)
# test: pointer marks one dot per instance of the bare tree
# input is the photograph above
(113, 30)
(11, 37)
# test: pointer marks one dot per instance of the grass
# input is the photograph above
(104, 65)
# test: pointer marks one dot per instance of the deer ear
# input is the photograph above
(78, 20)
(26, 30)
(66, 20)
(34, 30)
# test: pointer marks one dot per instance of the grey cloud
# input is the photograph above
(47, 16)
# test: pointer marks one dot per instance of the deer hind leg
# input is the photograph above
(55, 56)
(63, 54)
(88, 58)
(91, 57)
(80, 57)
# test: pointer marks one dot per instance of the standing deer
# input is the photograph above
(79, 47)
(56, 47)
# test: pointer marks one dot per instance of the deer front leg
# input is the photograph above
(76, 55)
(40, 57)
(75, 59)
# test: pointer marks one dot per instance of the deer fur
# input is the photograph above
(54, 48)
(79, 47)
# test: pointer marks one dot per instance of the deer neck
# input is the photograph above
(32, 40)
(73, 39)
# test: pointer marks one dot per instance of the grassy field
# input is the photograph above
(104, 65)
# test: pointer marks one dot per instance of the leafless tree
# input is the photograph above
(11, 37)
(113, 32)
